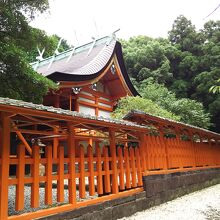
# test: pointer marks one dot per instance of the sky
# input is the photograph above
(79, 21)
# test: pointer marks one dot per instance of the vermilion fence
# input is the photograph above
(52, 160)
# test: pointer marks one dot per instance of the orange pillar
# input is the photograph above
(72, 170)
(55, 144)
(20, 172)
(4, 169)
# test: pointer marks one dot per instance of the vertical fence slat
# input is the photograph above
(48, 173)
(133, 169)
(82, 193)
(60, 181)
(91, 171)
(4, 172)
(19, 199)
(143, 145)
(35, 174)
(72, 169)
(114, 161)
(99, 170)
(138, 162)
(106, 169)
(127, 168)
(121, 168)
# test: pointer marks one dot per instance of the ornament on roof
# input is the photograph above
(39, 58)
(56, 52)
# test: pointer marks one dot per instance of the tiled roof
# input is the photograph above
(29, 105)
(84, 60)
(136, 113)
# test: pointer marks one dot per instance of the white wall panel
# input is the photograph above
(86, 110)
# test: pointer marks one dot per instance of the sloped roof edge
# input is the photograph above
(152, 117)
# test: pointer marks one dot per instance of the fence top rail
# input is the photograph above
(149, 119)
(28, 108)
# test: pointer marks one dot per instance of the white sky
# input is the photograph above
(153, 18)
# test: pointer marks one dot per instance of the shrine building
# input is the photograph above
(91, 78)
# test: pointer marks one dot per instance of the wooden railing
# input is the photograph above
(80, 161)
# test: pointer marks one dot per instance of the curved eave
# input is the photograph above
(66, 77)
(119, 55)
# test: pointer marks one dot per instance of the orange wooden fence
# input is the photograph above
(77, 161)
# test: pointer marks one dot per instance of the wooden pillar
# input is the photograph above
(55, 144)
(56, 101)
(114, 161)
(70, 102)
(76, 104)
(96, 106)
(20, 172)
(4, 169)
(48, 185)
(72, 172)
(35, 176)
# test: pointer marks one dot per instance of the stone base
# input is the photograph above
(165, 187)
(158, 189)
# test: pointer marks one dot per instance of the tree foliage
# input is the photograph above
(137, 103)
(18, 43)
(189, 111)
(187, 64)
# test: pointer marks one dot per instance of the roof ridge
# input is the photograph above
(77, 49)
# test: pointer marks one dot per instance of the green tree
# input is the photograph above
(184, 35)
(137, 103)
(189, 111)
(17, 78)
(145, 57)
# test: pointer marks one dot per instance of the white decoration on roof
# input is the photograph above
(56, 52)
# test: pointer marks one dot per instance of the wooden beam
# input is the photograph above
(21, 137)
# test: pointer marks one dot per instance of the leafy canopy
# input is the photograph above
(187, 63)
(137, 103)
(18, 42)
(189, 111)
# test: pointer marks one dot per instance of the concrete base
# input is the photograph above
(158, 189)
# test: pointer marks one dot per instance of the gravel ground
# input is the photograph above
(200, 205)
(27, 196)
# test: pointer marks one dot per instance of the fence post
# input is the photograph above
(143, 152)
(91, 171)
(82, 193)
(4, 170)
(19, 201)
(193, 149)
(72, 169)
(60, 171)
(114, 161)
(99, 169)
(48, 185)
(35, 175)
(121, 168)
